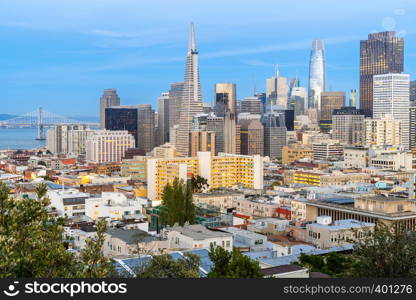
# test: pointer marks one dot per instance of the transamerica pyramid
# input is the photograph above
(191, 98)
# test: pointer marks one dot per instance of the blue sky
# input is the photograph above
(62, 54)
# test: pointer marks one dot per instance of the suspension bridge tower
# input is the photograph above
(41, 134)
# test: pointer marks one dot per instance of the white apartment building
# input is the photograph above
(390, 158)
(327, 150)
(68, 202)
(77, 140)
(391, 97)
(197, 236)
(108, 146)
(112, 205)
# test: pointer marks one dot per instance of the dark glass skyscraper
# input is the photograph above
(138, 120)
(381, 53)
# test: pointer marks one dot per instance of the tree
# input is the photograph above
(30, 243)
(93, 262)
(389, 252)
(233, 264)
(32, 246)
(334, 264)
(199, 184)
(164, 266)
(177, 204)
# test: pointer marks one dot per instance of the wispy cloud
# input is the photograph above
(24, 25)
(299, 45)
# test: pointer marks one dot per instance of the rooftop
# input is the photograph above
(198, 232)
(130, 236)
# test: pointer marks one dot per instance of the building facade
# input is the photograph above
(108, 99)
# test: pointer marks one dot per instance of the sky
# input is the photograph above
(60, 55)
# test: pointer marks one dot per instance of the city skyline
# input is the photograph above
(74, 58)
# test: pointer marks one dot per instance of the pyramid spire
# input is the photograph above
(191, 42)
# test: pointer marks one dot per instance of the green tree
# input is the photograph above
(93, 263)
(390, 252)
(233, 264)
(177, 204)
(198, 184)
(32, 246)
(30, 243)
(334, 264)
(164, 266)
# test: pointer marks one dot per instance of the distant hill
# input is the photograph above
(6, 117)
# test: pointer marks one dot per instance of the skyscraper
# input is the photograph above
(353, 98)
(329, 102)
(391, 97)
(191, 97)
(381, 53)
(251, 105)
(109, 98)
(274, 134)
(348, 125)
(138, 120)
(175, 100)
(225, 98)
(317, 74)
(412, 92)
(298, 100)
(252, 137)
(163, 103)
(277, 90)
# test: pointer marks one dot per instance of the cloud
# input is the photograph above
(299, 45)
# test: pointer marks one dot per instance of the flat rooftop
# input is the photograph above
(199, 232)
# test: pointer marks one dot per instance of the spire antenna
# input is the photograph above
(192, 43)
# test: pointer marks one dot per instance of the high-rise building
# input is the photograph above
(231, 134)
(251, 105)
(381, 53)
(391, 97)
(138, 120)
(225, 98)
(277, 91)
(317, 74)
(353, 98)
(412, 127)
(222, 171)
(384, 131)
(59, 140)
(163, 119)
(252, 137)
(329, 102)
(191, 104)
(274, 134)
(108, 146)
(109, 98)
(216, 124)
(348, 125)
(175, 100)
(298, 100)
(412, 92)
(202, 141)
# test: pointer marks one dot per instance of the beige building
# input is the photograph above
(371, 209)
(121, 243)
(135, 168)
(329, 102)
(295, 152)
(202, 141)
(108, 146)
(356, 157)
(219, 199)
(384, 131)
(166, 150)
(324, 234)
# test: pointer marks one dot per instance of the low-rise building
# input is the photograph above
(197, 236)
(68, 202)
(325, 234)
(295, 152)
(268, 226)
(356, 157)
(247, 239)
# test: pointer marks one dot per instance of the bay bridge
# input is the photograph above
(41, 119)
